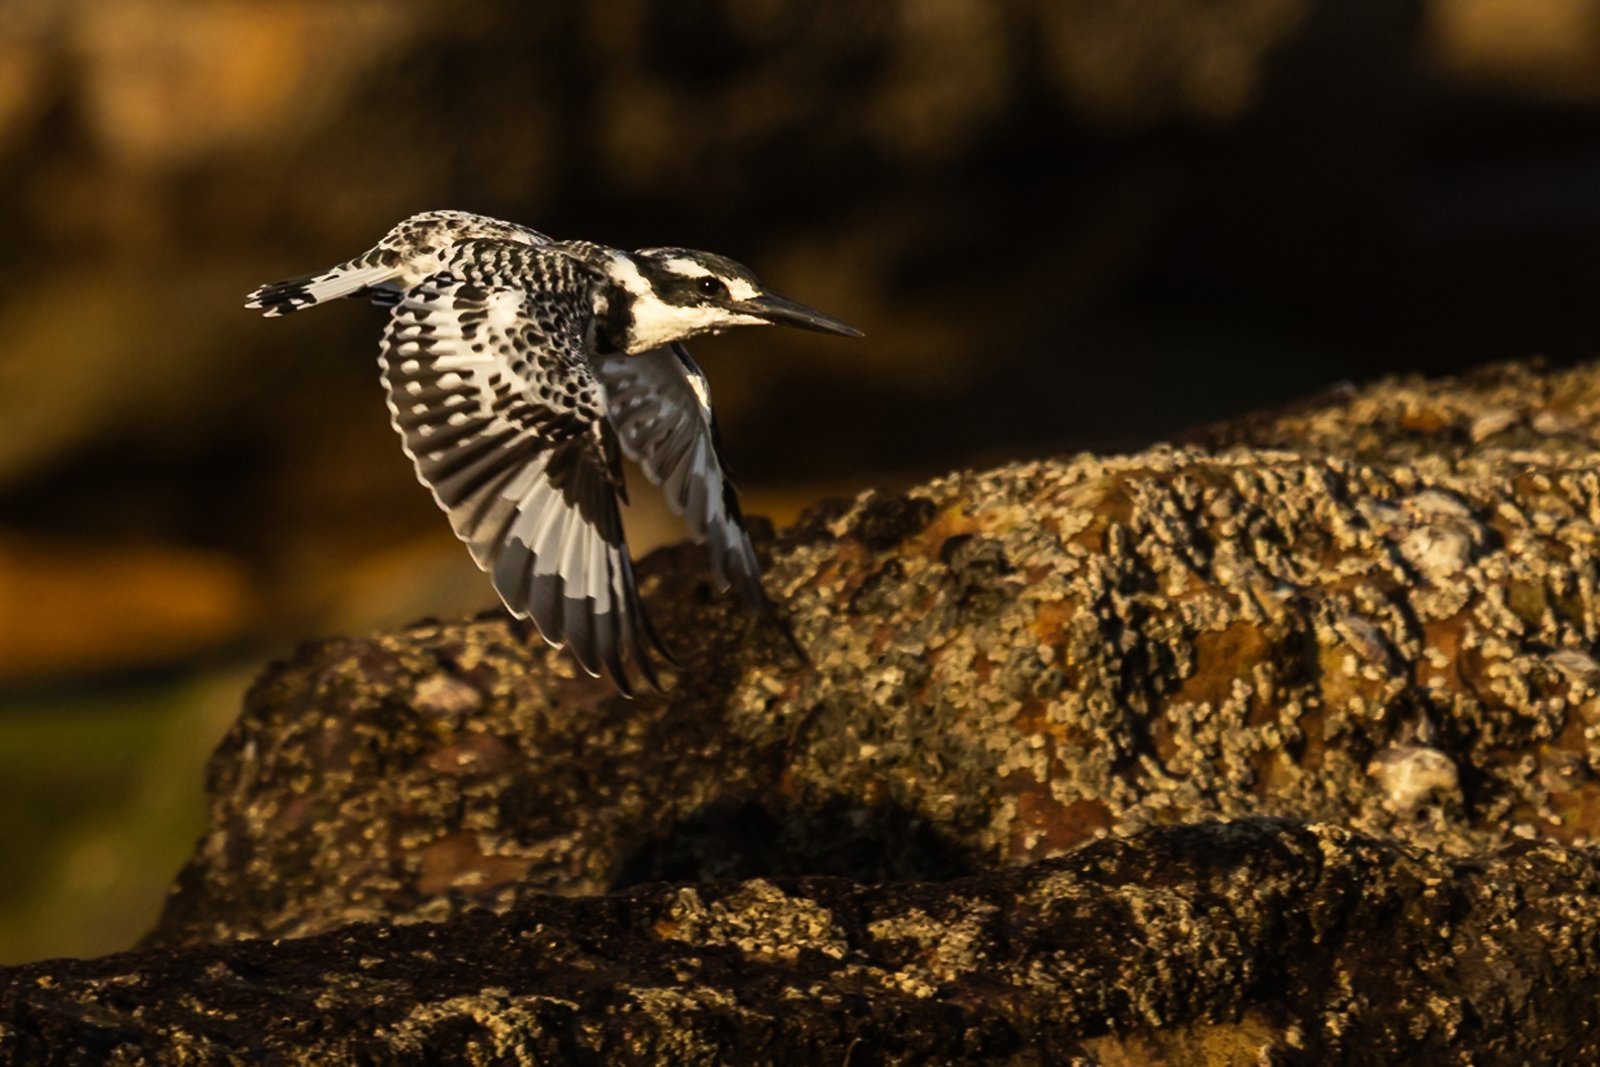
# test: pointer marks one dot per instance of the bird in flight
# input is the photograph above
(520, 369)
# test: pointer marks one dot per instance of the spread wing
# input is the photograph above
(660, 403)
(490, 388)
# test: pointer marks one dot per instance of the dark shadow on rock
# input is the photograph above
(751, 838)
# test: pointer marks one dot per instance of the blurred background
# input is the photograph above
(1062, 223)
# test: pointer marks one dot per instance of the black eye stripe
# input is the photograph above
(682, 290)
(675, 287)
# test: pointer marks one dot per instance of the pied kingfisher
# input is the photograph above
(519, 368)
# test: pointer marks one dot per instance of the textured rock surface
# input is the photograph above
(1207, 944)
(1508, 413)
(1005, 665)
(1361, 673)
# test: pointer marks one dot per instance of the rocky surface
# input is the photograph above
(1005, 664)
(1506, 414)
(1233, 943)
(1242, 748)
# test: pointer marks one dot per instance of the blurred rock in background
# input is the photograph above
(1061, 224)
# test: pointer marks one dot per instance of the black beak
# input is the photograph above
(777, 310)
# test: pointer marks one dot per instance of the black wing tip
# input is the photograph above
(642, 641)
(577, 614)
(604, 644)
(608, 631)
(618, 658)
(654, 642)
(639, 638)
(748, 576)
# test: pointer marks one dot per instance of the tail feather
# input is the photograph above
(356, 278)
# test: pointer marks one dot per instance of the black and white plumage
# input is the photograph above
(519, 371)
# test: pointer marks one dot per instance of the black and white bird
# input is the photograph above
(519, 370)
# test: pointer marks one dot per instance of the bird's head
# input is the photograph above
(673, 294)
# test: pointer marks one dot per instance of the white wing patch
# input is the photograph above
(702, 393)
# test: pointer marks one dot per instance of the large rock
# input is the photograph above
(1278, 744)
(1005, 664)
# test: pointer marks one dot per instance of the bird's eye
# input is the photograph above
(709, 286)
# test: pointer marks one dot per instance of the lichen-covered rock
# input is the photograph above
(1251, 942)
(1004, 665)
(1500, 410)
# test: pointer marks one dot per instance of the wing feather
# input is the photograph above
(491, 391)
(661, 406)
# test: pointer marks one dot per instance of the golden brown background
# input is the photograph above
(1062, 223)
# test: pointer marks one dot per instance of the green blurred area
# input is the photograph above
(100, 803)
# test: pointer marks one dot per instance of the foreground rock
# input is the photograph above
(1377, 650)
(1205, 944)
